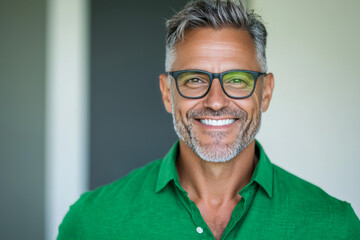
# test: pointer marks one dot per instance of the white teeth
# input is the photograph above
(221, 122)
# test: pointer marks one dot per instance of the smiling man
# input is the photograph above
(216, 182)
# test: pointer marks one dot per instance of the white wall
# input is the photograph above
(66, 171)
(312, 127)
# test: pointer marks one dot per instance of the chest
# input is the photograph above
(162, 219)
(216, 218)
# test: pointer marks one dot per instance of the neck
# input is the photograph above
(215, 183)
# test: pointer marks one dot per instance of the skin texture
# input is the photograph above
(213, 186)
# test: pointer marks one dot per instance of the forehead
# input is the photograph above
(216, 50)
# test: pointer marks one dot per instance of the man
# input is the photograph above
(216, 182)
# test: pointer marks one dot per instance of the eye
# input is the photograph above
(194, 80)
(237, 81)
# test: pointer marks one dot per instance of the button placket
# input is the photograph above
(194, 212)
(241, 209)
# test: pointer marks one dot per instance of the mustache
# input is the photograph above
(208, 112)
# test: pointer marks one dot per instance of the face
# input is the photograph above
(216, 128)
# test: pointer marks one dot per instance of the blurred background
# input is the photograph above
(80, 104)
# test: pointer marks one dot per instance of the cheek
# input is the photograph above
(182, 106)
(250, 105)
(257, 104)
(256, 99)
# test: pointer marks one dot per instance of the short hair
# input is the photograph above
(216, 14)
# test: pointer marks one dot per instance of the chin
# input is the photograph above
(216, 151)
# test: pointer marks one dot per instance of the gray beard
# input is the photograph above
(218, 151)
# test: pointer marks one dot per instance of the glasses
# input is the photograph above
(196, 84)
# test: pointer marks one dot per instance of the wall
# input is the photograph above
(129, 126)
(66, 168)
(22, 118)
(312, 127)
(43, 114)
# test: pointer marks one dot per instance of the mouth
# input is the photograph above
(217, 122)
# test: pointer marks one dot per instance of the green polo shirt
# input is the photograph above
(150, 203)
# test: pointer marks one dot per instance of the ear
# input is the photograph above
(268, 87)
(165, 91)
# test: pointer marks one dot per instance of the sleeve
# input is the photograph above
(71, 227)
(353, 229)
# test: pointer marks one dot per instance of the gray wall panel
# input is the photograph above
(129, 125)
(22, 116)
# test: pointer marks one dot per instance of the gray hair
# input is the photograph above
(216, 14)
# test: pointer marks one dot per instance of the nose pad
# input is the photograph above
(216, 99)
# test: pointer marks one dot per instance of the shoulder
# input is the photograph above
(290, 185)
(143, 178)
(312, 203)
(102, 204)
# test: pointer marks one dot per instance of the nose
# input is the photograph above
(216, 98)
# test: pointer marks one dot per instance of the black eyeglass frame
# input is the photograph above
(219, 76)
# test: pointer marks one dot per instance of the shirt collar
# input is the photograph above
(263, 173)
(168, 170)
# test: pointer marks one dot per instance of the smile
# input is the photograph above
(212, 122)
